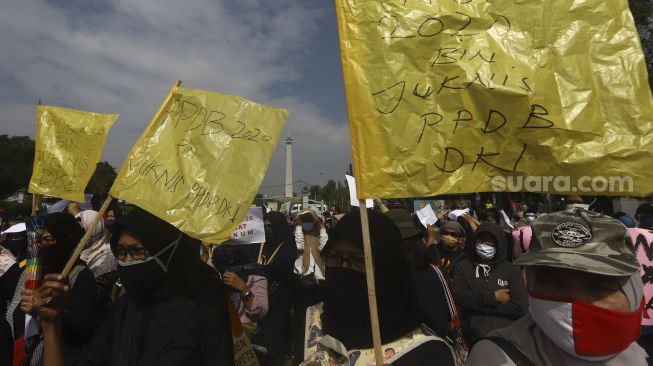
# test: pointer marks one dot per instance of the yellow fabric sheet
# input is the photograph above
(68, 147)
(444, 96)
(200, 166)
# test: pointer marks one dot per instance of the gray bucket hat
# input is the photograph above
(581, 240)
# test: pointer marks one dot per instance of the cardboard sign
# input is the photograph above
(250, 230)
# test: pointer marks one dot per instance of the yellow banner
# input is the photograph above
(68, 147)
(473, 95)
(200, 165)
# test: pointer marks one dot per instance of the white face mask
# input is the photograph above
(485, 251)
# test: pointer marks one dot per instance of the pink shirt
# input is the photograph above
(258, 285)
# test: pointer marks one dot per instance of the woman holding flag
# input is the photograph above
(173, 313)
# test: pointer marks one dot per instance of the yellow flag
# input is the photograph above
(200, 165)
(68, 147)
(473, 95)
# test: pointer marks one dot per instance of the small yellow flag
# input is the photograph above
(465, 96)
(200, 165)
(68, 147)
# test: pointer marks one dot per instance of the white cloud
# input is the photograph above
(124, 57)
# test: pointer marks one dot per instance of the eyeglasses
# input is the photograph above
(136, 253)
(355, 262)
(450, 233)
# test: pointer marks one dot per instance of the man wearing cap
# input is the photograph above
(585, 297)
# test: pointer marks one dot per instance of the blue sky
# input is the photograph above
(122, 56)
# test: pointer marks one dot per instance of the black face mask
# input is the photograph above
(143, 276)
(347, 289)
(269, 232)
(140, 277)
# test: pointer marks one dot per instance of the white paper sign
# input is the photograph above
(455, 214)
(506, 219)
(250, 230)
(351, 182)
(427, 216)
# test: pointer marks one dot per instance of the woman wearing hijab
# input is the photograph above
(341, 325)
(61, 234)
(247, 284)
(489, 290)
(97, 254)
(310, 238)
(277, 258)
(173, 312)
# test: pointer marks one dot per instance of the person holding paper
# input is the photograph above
(173, 312)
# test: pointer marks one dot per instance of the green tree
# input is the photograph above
(643, 14)
(16, 164)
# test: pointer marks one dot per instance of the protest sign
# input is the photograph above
(200, 164)
(427, 216)
(455, 96)
(643, 241)
(250, 230)
(353, 199)
(244, 354)
(455, 214)
(68, 147)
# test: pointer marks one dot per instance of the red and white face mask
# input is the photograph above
(584, 330)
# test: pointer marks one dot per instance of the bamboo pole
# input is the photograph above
(82, 243)
(371, 287)
(36, 198)
(84, 240)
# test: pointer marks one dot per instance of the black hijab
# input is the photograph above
(282, 242)
(188, 282)
(396, 302)
(67, 233)
(186, 271)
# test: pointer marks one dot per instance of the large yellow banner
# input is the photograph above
(470, 95)
(200, 165)
(68, 147)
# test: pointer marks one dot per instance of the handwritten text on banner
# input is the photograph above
(200, 166)
(68, 147)
(444, 95)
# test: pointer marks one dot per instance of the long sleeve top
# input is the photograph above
(258, 285)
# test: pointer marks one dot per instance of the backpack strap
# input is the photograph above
(517, 356)
(453, 312)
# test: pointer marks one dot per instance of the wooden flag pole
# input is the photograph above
(36, 198)
(87, 235)
(371, 287)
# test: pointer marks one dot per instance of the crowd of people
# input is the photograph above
(559, 288)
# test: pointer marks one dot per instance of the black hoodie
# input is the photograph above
(474, 290)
